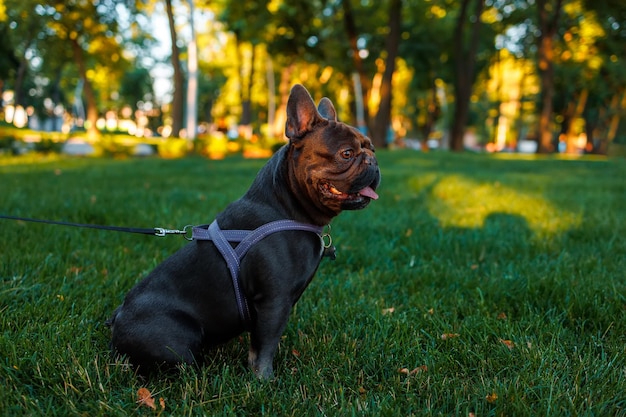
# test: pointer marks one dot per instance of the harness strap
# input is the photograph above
(232, 261)
(245, 239)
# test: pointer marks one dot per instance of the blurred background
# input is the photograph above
(174, 76)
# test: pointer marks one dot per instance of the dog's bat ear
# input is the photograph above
(301, 113)
(327, 110)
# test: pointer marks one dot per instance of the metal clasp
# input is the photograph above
(160, 232)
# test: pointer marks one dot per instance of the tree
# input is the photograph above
(426, 51)
(9, 62)
(359, 66)
(549, 12)
(607, 99)
(22, 32)
(464, 58)
(178, 80)
(383, 116)
(90, 29)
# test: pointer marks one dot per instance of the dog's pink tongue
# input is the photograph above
(369, 192)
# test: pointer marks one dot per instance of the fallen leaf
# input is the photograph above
(388, 310)
(362, 391)
(405, 371)
(508, 343)
(491, 398)
(295, 353)
(447, 336)
(502, 316)
(145, 398)
(431, 311)
(422, 368)
(162, 403)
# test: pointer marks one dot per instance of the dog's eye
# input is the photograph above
(347, 153)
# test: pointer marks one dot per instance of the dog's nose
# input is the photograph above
(369, 160)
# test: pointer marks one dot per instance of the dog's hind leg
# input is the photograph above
(154, 341)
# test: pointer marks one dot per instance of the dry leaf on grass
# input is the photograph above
(491, 398)
(388, 310)
(508, 343)
(447, 336)
(405, 371)
(145, 398)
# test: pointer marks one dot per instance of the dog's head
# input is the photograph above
(333, 163)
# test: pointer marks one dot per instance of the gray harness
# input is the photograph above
(245, 239)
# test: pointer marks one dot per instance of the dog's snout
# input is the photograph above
(369, 160)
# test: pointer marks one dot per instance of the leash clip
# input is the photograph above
(160, 232)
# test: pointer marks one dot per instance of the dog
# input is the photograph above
(203, 295)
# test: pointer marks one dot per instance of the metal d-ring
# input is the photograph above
(188, 232)
(327, 239)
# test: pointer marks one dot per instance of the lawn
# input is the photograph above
(476, 285)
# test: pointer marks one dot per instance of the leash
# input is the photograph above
(222, 239)
(155, 231)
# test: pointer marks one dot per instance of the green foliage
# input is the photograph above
(493, 249)
(6, 143)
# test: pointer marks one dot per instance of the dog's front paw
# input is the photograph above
(261, 369)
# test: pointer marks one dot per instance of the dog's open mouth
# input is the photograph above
(332, 191)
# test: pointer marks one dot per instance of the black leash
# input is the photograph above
(155, 231)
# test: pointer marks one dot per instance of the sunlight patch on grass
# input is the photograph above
(460, 202)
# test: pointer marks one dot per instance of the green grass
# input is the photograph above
(489, 248)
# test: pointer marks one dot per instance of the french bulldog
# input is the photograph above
(188, 303)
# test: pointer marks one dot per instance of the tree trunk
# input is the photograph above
(548, 26)
(283, 92)
(575, 112)
(433, 111)
(350, 26)
(464, 68)
(246, 92)
(271, 92)
(19, 82)
(177, 100)
(90, 98)
(614, 121)
(192, 84)
(383, 116)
